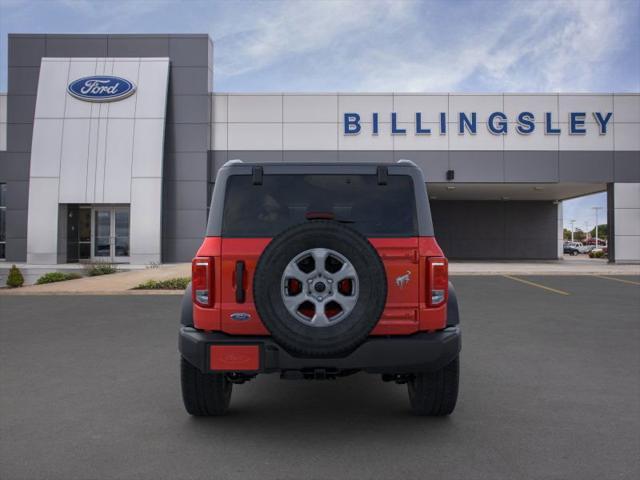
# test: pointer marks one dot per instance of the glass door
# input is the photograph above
(111, 234)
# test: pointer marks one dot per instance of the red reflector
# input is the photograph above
(234, 357)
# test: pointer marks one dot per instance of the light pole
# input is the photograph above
(572, 222)
(596, 210)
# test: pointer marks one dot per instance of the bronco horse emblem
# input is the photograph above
(402, 280)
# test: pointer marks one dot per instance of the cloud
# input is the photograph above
(417, 46)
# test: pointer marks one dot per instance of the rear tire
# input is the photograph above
(434, 394)
(204, 395)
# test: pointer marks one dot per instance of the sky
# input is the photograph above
(377, 45)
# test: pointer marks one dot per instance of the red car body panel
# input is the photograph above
(406, 311)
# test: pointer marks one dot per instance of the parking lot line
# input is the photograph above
(631, 282)
(534, 284)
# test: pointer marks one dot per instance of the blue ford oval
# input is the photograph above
(101, 88)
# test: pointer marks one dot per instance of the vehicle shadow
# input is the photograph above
(327, 411)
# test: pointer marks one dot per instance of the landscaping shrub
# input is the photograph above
(52, 277)
(596, 254)
(15, 278)
(96, 269)
(179, 283)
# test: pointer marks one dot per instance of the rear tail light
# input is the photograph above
(201, 281)
(438, 280)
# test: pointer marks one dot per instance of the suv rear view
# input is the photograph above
(318, 271)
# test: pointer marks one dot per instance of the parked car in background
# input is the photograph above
(586, 248)
(571, 248)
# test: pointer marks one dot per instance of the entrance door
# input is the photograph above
(111, 234)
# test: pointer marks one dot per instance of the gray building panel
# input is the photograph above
(14, 166)
(17, 219)
(186, 137)
(496, 230)
(586, 166)
(26, 50)
(477, 165)
(185, 195)
(531, 166)
(180, 249)
(179, 221)
(256, 155)
(365, 156)
(23, 81)
(138, 46)
(185, 166)
(319, 156)
(188, 109)
(16, 250)
(19, 137)
(189, 50)
(188, 80)
(626, 166)
(76, 46)
(22, 108)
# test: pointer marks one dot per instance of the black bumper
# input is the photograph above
(391, 354)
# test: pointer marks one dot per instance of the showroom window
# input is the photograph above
(3, 221)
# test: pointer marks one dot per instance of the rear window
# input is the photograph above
(286, 200)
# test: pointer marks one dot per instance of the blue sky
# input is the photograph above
(370, 45)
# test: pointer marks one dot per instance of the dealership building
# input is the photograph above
(110, 144)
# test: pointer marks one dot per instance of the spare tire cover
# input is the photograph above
(320, 288)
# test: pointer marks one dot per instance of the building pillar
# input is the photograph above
(560, 236)
(623, 208)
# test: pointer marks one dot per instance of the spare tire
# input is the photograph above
(320, 288)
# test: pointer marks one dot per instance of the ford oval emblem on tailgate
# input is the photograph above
(240, 316)
(101, 88)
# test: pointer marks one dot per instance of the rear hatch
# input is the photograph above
(383, 211)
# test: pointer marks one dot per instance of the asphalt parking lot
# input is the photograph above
(550, 389)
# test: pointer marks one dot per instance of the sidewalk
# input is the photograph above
(113, 284)
(123, 282)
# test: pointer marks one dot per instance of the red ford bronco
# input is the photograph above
(319, 271)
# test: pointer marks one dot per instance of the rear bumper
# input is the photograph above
(391, 354)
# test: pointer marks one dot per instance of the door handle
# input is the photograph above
(240, 270)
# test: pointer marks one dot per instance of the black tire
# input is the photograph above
(435, 394)
(332, 340)
(574, 252)
(204, 395)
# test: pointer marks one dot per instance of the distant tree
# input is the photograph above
(579, 235)
(603, 231)
(566, 234)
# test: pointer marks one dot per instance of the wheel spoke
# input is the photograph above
(292, 303)
(346, 271)
(319, 257)
(293, 271)
(320, 318)
(346, 302)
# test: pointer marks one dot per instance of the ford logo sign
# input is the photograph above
(101, 88)
(240, 316)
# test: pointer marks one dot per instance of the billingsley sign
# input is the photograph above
(497, 123)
